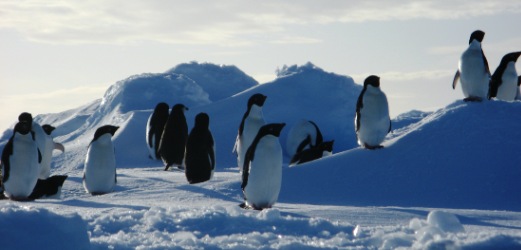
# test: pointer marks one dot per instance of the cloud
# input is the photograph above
(222, 23)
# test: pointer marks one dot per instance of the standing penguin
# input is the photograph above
(173, 140)
(200, 151)
(99, 173)
(504, 81)
(303, 135)
(473, 71)
(372, 121)
(155, 125)
(20, 162)
(45, 170)
(250, 125)
(262, 174)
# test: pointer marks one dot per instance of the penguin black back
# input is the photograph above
(370, 80)
(256, 99)
(157, 124)
(173, 140)
(48, 187)
(496, 79)
(200, 153)
(313, 153)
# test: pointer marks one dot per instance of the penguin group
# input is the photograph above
(26, 158)
(474, 75)
(26, 161)
(168, 140)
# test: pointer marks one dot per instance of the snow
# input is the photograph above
(447, 179)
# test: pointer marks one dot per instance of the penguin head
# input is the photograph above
(107, 129)
(23, 127)
(179, 108)
(202, 120)
(477, 35)
(271, 129)
(161, 107)
(48, 129)
(26, 117)
(373, 81)
(257, 99)
(510, 57)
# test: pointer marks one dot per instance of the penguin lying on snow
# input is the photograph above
(155, 125)
(48, 188)
(251, 122)
(473, 71)
(372, 121)
(303, 135)
(173, 140)
(20, 162)
(324, 149)
(200, 151)
(504, 81)
(262, 173)
(99, 173)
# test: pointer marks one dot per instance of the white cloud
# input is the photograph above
(225, 23)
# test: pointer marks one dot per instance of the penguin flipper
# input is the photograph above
(59, 146)
(485, 61)
(456, 79)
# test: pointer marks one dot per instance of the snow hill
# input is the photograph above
(463, 157)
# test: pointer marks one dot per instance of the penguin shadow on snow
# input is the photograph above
(194, 188)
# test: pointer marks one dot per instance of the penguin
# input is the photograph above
(473, 71)
(518, 95)
(251, 122)
(303, 135)
(323, 149)
(200, 151)
(48, 188)
(504, 81)
(99, 173)
(372, 121)
(20, 162)
(46, 150)
(173, 140)
(262, 174)
(155, 125)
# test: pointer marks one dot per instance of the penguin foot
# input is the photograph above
(473, 99)
(372, 147)
(167, 167)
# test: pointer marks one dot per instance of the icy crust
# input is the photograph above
(25, 227)
(219, 81)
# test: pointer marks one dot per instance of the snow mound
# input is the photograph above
(219, 81)
(463, 156)
(143, 92)
(32, 228)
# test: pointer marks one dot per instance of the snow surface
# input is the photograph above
(445, 180)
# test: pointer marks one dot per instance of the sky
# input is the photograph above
(58, 55)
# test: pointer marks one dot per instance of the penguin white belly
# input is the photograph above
(251, 128)
(473, 74)
(265, 175)
(100, 166)
(508, 89)
(151, 149)
(374, 119)
(46, 151)
(24, 167)
(299, 133)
